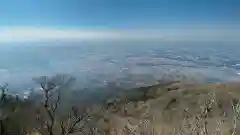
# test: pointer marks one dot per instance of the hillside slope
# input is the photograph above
(167, 108)
(175, 108)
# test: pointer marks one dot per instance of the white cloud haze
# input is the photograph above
(45, 34)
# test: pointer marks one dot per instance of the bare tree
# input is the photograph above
(236, 112)
(50, 88)
(3, 89)
(9, 106)
(75, 121)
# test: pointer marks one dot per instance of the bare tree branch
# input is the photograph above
(50, 87)
(74, 123)
(3, 89)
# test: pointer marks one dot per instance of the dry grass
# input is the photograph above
(175, 108)
(179, 109)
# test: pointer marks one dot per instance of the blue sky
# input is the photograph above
(118, 14)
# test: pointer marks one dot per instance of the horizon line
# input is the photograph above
(31, 34)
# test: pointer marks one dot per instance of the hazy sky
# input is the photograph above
(40, 19)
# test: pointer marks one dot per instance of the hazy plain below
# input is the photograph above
(128, 63)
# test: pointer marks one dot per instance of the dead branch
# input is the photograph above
(74, 123)
(3, 89)
(49, 87)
